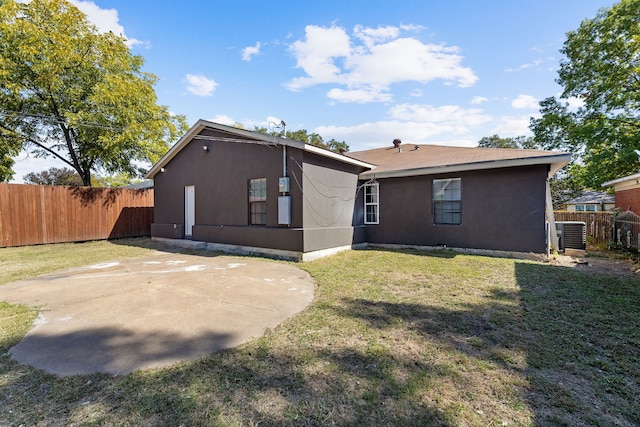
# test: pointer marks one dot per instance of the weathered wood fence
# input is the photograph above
(621, 229)
(37, 214)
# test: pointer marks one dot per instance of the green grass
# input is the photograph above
(391, 338)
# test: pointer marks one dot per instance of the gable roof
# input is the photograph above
(243, 136)
(590, 196)
(428, 159)
(620, 180)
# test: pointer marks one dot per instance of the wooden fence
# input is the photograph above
(38, 214)
(621, 229)
(599, 224)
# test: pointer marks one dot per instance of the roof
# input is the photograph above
(623, 179)
(590, 196)
(144, 184)
(429, 159)
(244, 136)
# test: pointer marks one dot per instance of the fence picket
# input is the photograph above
(37, 214)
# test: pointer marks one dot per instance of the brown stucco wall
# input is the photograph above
(502, 209)
(220, 177)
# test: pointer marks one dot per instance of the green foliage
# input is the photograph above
(303, 135)
(69, 91)
(494, 141)
(602, 70)
(54, 176)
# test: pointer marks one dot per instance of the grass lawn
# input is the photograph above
(391, 338)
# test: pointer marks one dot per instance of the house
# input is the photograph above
(627, 192)
(592, 201)
(233, 189)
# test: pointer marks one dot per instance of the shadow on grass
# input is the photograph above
(582, 335)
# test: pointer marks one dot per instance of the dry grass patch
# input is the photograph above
(392, 338)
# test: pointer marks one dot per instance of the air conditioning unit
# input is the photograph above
(571, 235)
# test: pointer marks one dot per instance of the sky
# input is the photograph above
(445, 72)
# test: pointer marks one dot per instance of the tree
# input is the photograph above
(564, 185)
(494, 141)
(54, 176)
(303, 135)
(71, 92)
(601, 71)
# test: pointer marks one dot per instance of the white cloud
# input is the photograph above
(358, 95)
(223, 119)
(535, 63)
(105, 20)
(477, 100)
(250, 51)
(458, 118)
(200, 85)
(367, 63)
(525, 102)
(413, 123)
(512, 126)
(574, 103)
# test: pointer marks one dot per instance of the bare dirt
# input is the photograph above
(600, 262)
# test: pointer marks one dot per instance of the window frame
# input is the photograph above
(373, 204)
(446, 209)
(257, 198)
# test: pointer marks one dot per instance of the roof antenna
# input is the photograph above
(280, 127)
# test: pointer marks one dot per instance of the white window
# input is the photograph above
(371, 205)
(585, 208)
(447, 201)
(258, 201)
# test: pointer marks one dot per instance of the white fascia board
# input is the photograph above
(255, 136)
(556, 163)
(336, 156)
(619, 180)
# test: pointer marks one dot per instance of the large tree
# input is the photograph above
(54, 176)
(71, 92)
(601, 72)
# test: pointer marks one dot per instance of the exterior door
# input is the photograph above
(189, 209)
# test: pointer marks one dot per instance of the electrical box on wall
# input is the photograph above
(284, 210)
(283, 185)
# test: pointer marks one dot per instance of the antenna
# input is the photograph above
(282, 127)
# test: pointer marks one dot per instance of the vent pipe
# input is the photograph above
(396, 143)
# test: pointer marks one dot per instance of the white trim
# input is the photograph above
(619, 180)
(251, 137)
(376, 204)
(556, 162)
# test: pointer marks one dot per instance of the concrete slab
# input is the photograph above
(141, 313)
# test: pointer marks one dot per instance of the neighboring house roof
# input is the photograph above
(144, 184)
(431, 159)
(243, 136)
(592, 197)
(620, 180)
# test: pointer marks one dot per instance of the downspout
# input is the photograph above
(284, 160)
(552, 233)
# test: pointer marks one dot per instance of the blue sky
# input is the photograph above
(366, 72)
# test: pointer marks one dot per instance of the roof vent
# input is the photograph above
(342, 150)
(396, 143)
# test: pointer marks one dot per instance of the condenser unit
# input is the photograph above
(571, 235)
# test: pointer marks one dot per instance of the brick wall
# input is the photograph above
(628, 200)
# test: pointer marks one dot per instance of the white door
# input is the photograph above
(189, 209)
